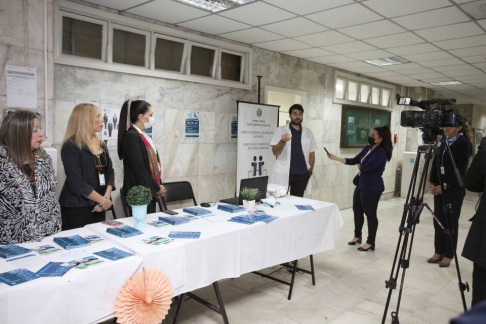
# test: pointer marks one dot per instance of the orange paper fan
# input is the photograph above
(144, 299)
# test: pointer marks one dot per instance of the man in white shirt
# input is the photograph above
(294, 146)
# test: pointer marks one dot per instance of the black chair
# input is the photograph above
(177, 191)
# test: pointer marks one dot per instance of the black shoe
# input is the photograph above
(354, 242)
(432, 260)
(372, 248)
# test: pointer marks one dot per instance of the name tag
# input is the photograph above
(442, 170)
(102, 179)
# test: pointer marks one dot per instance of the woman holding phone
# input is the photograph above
(369, 184)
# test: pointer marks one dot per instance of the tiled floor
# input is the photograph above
(350, 284)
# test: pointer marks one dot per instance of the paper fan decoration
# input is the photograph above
(144, 299)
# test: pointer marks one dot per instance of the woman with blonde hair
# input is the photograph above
(89, 171)
(29, 210)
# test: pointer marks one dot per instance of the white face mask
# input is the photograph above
(150, 123)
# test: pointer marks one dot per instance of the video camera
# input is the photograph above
(437, 117)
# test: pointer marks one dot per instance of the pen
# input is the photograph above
(25, 256)
(268, 204)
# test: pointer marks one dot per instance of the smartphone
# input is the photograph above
(170, 212)
(325, 149)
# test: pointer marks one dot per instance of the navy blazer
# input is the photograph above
(371, 170)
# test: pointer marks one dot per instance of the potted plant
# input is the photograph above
(138, 198)
(249, 195)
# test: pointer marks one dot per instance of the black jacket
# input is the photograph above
(461, 150)
(136, 166)
(475, 180)
(81, 175)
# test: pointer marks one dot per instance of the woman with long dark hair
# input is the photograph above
(459, 139)
(141, 163)
(29, 210)
(369, 184)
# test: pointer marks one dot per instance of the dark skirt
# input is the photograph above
(76, 217)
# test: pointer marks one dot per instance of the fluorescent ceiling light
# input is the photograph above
(393, 60)
(446, 83)
(215, 5)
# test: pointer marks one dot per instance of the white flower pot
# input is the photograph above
(249, 205)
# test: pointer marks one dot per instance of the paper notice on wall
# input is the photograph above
(21, 86)
(234, 126)
(351, 126)
(192, 123)
(377, 123)
(111, 123)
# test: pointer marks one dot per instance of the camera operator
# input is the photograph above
(459, 139)
(475, 245)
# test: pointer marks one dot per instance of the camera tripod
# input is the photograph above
(413, 207)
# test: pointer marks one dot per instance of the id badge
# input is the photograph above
(102, 179)
(442, 170)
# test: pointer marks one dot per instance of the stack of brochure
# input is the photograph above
(11, 251)
(251, 219)
(71, 242)
(173, 220)
(123, 231)
(231, 208)
(113, 254)
(16, 277)
(304, 207)
(197, 211)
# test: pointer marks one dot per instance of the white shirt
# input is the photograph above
(281, 168)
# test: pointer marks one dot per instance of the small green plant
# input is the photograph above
(249, 194)
(139, 196)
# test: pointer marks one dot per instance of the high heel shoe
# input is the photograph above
(358, 241)
(372, 248)
(433, 260)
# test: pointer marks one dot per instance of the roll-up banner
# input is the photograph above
(256, 125)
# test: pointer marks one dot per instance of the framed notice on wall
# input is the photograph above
(358, 122)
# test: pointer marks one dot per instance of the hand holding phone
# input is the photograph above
(325, 149)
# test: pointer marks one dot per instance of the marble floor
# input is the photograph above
(350, 284)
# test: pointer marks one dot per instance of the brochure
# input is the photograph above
(173, 220)
(197, 211)
(10, 251)
(184, 235)
(113, 223)
(83, 263)
(52, 269)
(123, 231)
(16, 277)
(113, 254)
(304, 207)
(157, 224)
(157, 240)
(71, 242)
(231, 208)
(93, 238)
(46, 249)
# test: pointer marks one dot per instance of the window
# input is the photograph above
(375, 96)
(352, 91)
(169, 54)
(231, 66)
(385, 97)
(365, 93)
(91, 38)
(82, 38)
(340, 89)
(202, 60)
(129, 47)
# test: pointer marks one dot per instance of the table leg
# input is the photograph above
(179, 304)
(312, 270)
(294, 270)
(220, 302)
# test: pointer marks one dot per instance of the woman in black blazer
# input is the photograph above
(459, 138)
(89, 172)
(475, 245)
(141, 163)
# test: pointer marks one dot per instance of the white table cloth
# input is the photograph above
(80, 296)
(224, 250)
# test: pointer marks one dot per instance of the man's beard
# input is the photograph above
(293, 122)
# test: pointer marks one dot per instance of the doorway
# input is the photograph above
(284, 98)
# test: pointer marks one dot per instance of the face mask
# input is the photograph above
(371, 140)
(150, 123)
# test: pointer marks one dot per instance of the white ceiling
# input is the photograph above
(445, 39)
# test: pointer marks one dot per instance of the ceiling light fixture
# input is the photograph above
(215, 5)
(446, 83)
(393, 60)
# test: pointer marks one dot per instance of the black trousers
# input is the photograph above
(478, 284)
(366, 202)
(77, 217)
(442, 242)
(298, 183)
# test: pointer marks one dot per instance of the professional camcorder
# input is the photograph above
(429, 118)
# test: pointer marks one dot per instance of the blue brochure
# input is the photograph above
(231, 208)
(197, 211)
(46, 249)
(123, 231)
(10, 251)
(113, 254)
(173, 220)
(52, 269)
(184, 235)
(157, 240)
(157, 224)
(93, 238)
(71, 242)
(304, 207)
(16, 277)
(251, 219)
